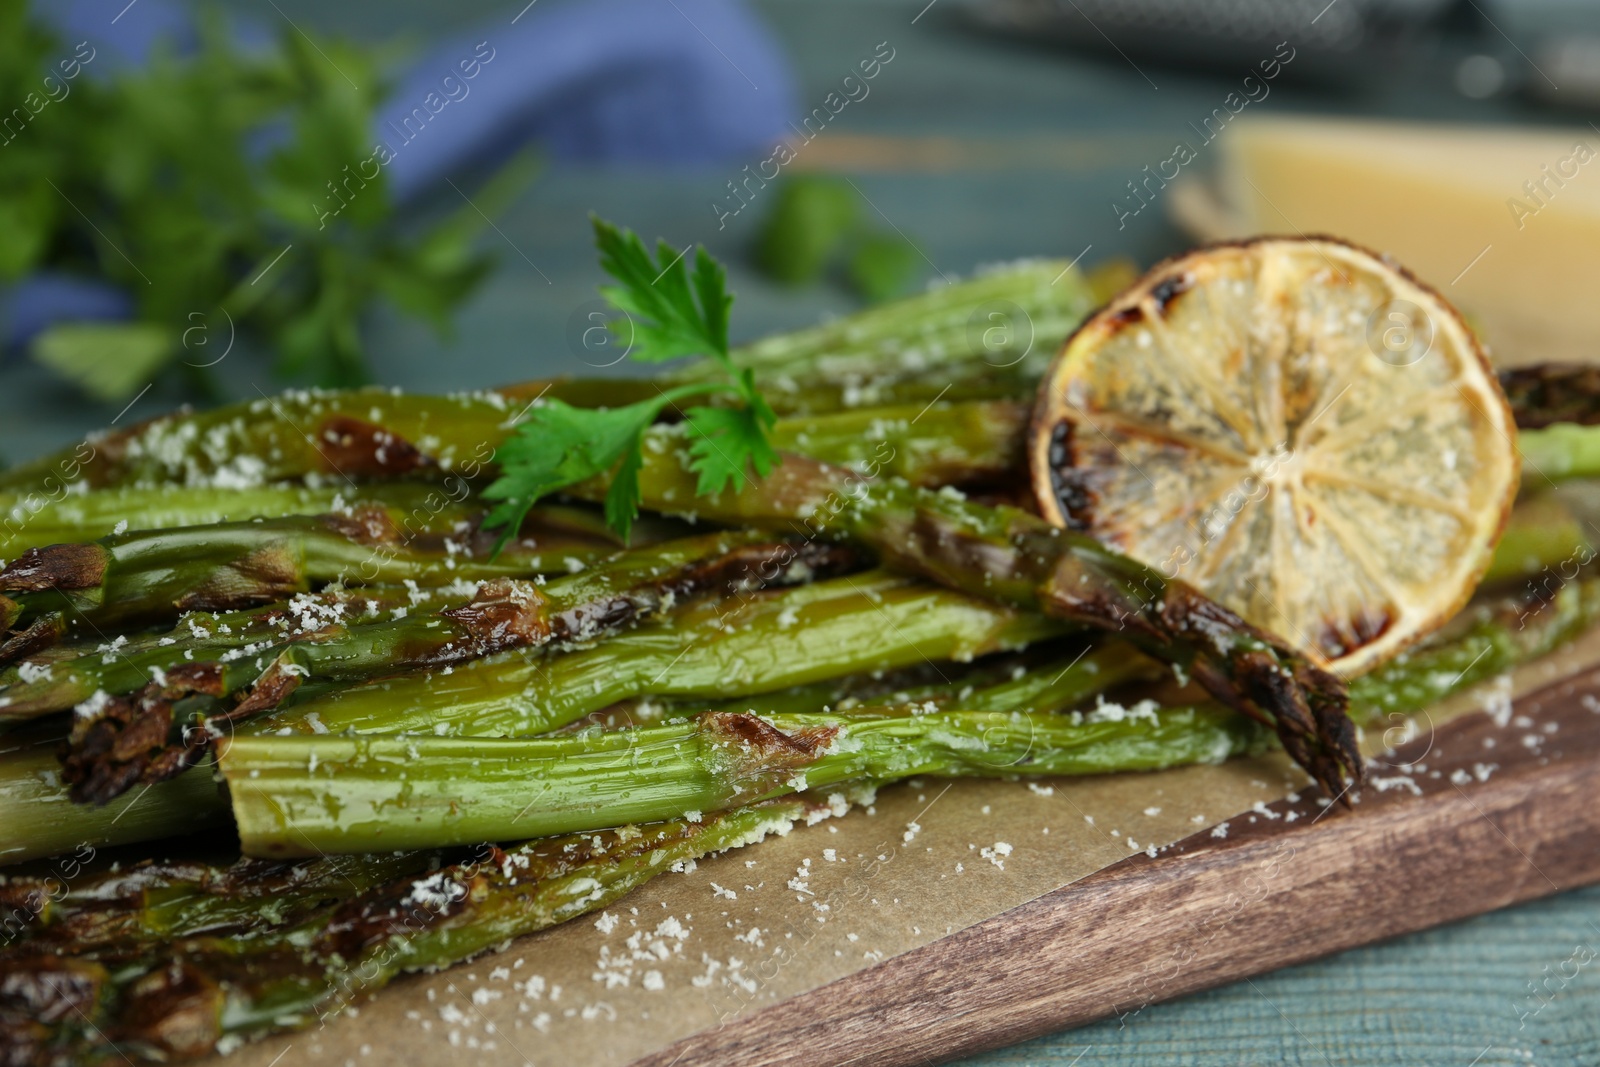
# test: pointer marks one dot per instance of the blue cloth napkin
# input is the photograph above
(646, 82)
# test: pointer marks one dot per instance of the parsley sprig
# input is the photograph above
(218, 188)
(673, 312)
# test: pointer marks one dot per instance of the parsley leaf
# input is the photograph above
(672, 312)
(557, 446)
(667, 321)
(726, 440)
(560, 445)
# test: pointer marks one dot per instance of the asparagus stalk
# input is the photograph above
(295, 796)
(355, 434)
(92, 514)
(92, 909)
(929, 445)
(418, 509)
(975, 377)
(1050, 676)
(1012, 557)
(1017, 313)
(864, 622)
(1560, 453)
(151, 575)
(61, 676)
(72, 1009)
(145, 737)
(41, 819)
(1488, 639)
(1542, 535)
(1485, 641)
(991, 336)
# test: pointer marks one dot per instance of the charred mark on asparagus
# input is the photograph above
(504, 613)
(360, 449)
(267, 574)
(364, 526)
(760, 748)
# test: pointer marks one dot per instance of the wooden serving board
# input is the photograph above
(1469, 817)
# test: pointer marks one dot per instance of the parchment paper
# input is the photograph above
(751, 927)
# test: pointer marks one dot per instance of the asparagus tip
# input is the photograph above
(130, 738)
(1260, 675)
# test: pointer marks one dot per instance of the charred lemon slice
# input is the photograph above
(1295, 426)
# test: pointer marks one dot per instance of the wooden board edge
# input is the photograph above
(1213, 911)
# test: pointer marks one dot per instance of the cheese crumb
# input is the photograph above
(996, 855)
(33, 672)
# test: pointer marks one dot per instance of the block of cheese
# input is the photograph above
(1504, 222)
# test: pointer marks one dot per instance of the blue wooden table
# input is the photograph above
(979, 150)
(1509, 988)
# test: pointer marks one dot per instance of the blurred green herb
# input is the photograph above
(815, 223)
(811, 219)
(201, 185)
(883, 266)
(669, 313)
